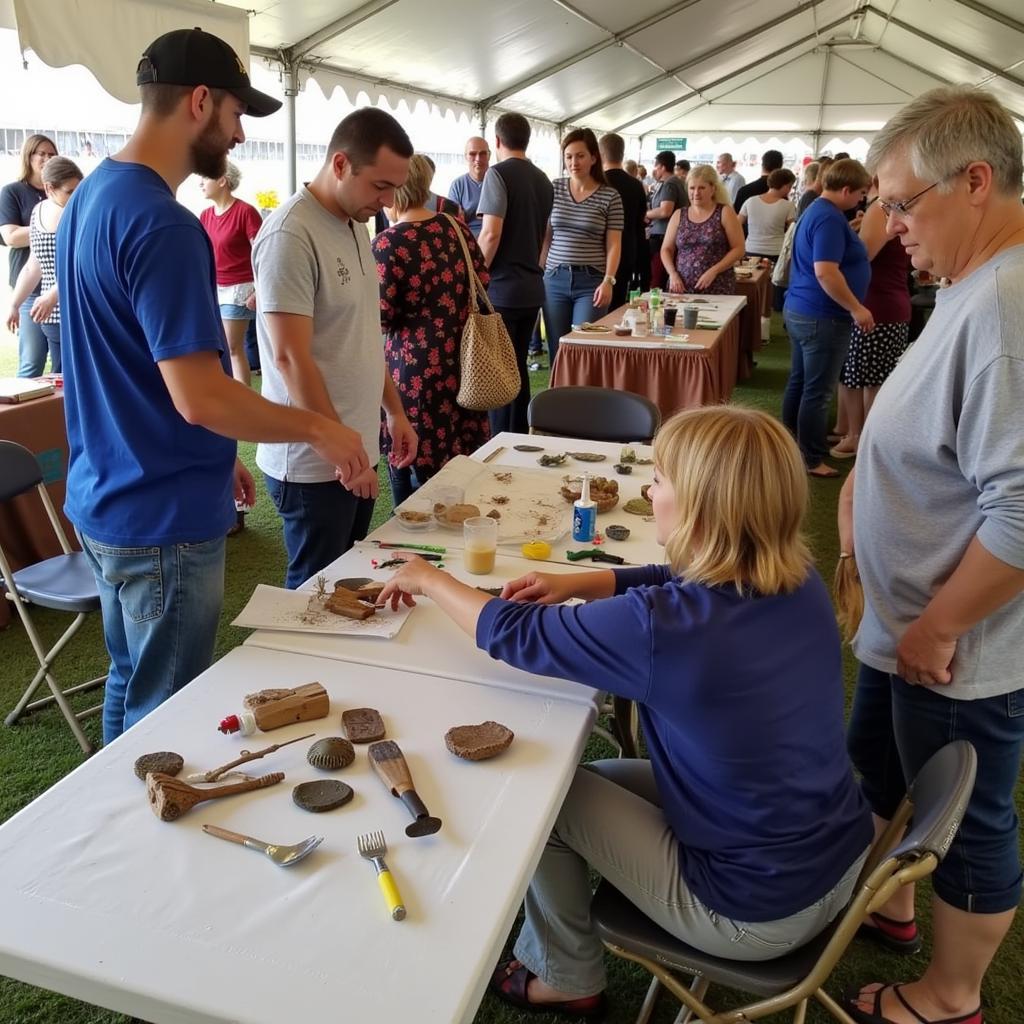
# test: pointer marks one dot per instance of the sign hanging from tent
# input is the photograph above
(673, 142)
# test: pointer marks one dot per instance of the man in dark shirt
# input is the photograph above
(515, 204)
(770, 161)
(634, 266)
(666, 197)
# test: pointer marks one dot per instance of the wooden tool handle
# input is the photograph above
(242, 787)
(389, 764)
(226, 833)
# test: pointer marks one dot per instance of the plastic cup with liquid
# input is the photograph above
(690, 314)
(480, 539)
(670, 317)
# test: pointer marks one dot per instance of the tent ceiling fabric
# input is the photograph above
(63, 32)
(806, 67)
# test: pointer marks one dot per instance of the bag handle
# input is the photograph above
(474, 279)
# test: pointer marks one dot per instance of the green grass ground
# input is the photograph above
(40, 750)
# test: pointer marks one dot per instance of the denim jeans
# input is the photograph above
(52, 334)
(568, 300)
(519, 322)
(612, 821)
(161, 606)
(321, 522)
(31, 342)
(819, 346)
(895, 727)
(405, 482)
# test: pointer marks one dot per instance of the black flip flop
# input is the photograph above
(875, 1016)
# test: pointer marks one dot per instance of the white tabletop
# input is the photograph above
(642, 547)
(102, 901)
(429, 642)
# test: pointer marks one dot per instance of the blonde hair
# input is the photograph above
(232, 175)
(740, 491)
(810, 174)
(707, 174)
(944, 130)
(28, 148)
(416, 189)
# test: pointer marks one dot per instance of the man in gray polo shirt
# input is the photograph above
(321, 348)
(515, 206)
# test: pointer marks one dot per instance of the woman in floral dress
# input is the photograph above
(703, 240)
(424, 302)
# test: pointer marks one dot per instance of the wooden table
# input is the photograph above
(25, 531)
(673, 373)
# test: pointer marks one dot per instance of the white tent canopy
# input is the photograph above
(813, 69)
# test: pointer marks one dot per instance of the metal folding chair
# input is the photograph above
(937, 799)
(64, 583)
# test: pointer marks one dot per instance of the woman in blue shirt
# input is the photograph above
(744, 833)
(828, 280)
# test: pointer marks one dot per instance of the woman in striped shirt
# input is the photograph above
(583, 241)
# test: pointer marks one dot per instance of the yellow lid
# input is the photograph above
(536, 549)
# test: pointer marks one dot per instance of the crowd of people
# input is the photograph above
(744, 832)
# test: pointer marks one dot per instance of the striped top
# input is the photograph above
(578, 229)
(43, 244)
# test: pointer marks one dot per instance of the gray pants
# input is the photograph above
(612, 820)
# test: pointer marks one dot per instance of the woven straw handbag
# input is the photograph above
(489, 376)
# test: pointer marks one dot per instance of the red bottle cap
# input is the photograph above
(230, 724)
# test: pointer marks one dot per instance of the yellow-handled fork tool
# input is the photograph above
(372, 847)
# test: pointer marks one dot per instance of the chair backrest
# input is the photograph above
(594, 414)
(19, 471)
(939, 793)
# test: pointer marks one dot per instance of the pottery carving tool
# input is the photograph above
(389, 545)
(494, 454)
(216, 773)
(282, 856)
(170, 798)
(596, 556)
(372, 847)
(389, 763)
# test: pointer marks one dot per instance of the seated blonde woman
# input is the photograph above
(744, 833)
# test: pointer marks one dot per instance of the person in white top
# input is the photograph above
(766, 217)
(731, 178)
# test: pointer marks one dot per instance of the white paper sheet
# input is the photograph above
(299, 611)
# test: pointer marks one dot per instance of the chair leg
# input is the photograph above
(699, 987)
(800, 1012)
(650, 999)
(45, 660)
(626, 726)
(833, 1007)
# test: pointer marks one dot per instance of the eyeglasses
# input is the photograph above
(902, 207)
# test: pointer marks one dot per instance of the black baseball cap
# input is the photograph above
(190, 56)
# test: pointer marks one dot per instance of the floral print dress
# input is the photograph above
(698, 248)
(424, 303)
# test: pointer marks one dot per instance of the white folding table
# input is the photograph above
(103, 902)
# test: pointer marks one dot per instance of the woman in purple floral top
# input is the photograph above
(704, 240)
(424, 302)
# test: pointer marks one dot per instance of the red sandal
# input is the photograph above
(875, 1016)
(510, 983)
(896, 936)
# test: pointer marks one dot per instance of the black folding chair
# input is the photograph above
(64, 583)
(595, 414)
(937, 799)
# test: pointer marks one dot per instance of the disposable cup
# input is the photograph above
(480, 537)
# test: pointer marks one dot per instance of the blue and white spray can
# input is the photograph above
(584, 515)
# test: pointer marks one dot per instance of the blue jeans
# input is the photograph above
(161, 606)
(52, 334)
(569, 299)
(896, 727)
(31, 342)
(405, 482)
(321, 522)
(819, 346)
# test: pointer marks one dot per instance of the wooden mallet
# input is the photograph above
(170, 798)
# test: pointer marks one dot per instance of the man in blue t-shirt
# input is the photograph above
(152, 410)
(465, 190)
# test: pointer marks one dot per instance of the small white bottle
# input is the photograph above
(584, 515)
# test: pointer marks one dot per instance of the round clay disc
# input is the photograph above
(353, 582)
(165, 761)
(323, 795)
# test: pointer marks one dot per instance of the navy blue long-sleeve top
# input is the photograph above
(741, 701)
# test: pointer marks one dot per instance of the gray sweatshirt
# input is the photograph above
(941, 461)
